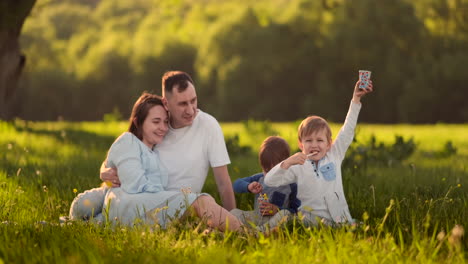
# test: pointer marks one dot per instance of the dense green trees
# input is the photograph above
(264, 59)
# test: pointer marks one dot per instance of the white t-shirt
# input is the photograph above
(189, 152)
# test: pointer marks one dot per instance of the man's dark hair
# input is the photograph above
(175, 78)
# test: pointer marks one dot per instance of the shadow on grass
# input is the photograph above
(72, 136)
(77, 167)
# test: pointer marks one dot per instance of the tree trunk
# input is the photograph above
(12, 16)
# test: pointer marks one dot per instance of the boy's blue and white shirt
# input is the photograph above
(320, 188)
(285, 197)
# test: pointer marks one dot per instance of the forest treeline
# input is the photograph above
(279, 60)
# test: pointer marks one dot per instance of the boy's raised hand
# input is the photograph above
(255, 187)
(358, 93)
(298, 158)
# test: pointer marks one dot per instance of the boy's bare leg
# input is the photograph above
(216, 216)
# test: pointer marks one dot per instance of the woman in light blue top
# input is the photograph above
(142, 195)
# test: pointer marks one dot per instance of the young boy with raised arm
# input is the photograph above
(317, 168)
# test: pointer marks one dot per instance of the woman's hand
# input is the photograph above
(110, 177)
(255, 187)
(268, 209)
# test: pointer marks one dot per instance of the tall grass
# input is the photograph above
(409, 211)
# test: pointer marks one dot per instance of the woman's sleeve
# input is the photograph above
(125, 155)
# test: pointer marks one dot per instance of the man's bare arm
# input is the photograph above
(223, 181)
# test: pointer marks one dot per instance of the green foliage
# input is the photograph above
(113, 116)
(379, 154)
(245, 64)
(233, 146)
(448, 150)
(255, 127)
(267, 59)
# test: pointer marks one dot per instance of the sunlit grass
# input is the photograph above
(409, 212)
(428, 137)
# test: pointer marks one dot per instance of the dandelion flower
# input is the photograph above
(441, 235)
(458, 231)
(75, 190)
(455, 237)
(206, 232)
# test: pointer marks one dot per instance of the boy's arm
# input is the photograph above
(241, 185)
(346, 134)
(297, 158)
(278, 176)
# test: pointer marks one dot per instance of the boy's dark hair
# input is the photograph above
(273, 151)
(140, 112)
(175, 78)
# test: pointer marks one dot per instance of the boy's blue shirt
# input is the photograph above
(241, 186)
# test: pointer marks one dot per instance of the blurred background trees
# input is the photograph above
(12, 61)
(279, 60)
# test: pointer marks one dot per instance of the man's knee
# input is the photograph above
(205, 199)
(203, 203)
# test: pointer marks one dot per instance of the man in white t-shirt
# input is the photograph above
(194, 143)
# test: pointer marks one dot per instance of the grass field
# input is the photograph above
(412, 205)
